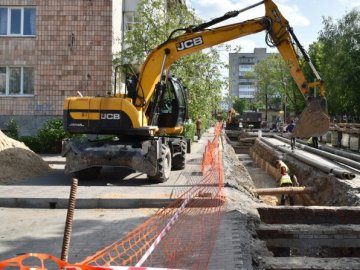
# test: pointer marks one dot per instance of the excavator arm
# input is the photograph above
(278, 33)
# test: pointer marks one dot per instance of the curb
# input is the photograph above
(84, 203)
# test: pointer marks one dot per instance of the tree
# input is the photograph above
(240, 105)
(275, 86)
(199, 71)
(338, 54)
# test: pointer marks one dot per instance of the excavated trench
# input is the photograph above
(322, 225)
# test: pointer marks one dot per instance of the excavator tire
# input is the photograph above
(178, 161)
(88, 174)
(164, 166)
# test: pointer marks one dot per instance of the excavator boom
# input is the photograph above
(313, 122)
(149, 118)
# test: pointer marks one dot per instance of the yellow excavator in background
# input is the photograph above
(232, 119)
(148, 119)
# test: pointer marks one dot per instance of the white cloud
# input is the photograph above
(293, 15)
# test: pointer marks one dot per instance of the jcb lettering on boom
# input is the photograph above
(187, 44)
(110, 116)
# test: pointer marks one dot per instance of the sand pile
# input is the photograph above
(18, 162)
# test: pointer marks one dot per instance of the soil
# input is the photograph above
(18, 162)
(243, 202)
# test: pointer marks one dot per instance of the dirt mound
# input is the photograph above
(18, 162)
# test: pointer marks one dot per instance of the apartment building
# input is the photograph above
(240, 66)
(50, 50)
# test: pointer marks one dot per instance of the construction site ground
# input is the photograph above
(107, 209)
(33, 213)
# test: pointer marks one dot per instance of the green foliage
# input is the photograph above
(51, 136)
(222, 116)
(199, 71)
(12, 129)
(189, 131)
(275, 85)
(32, 142)
(337, 54)
(240, 105)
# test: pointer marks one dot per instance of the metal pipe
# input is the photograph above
(336, 151)
(250, 7)
(284, 190)
(167, 52)
(343, 174)
(69, 221)
(343, 160)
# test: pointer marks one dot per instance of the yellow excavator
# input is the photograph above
(147, 120)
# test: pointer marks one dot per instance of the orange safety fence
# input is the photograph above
(181, 235)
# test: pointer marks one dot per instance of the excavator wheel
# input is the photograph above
(313, 121)
(88, 174)
(178, 161)
(163, 166)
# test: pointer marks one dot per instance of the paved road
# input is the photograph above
(121, 200)
(115, 188)
(129, 198)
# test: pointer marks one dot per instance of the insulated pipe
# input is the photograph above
(335, 151)
(338, 172)
(284, 190)
(343, 160)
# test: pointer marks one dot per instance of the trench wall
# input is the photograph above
(331, 190)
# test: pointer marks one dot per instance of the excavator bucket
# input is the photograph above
(313, 121)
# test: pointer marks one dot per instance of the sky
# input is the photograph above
(305, 16)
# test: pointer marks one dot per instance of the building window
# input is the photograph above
(2, 80)
(246, 67)
(129, 21)
(17, 21)
(247, 60)
(16, 81)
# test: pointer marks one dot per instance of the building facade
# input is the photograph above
(50, 50)
(124, 19)
(241, 84)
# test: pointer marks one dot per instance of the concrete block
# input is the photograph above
(334, 138)
(354, 142)
(345, 140)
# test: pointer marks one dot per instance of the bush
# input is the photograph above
(189, 131)
(51, 135)
(12, 129)
(32, 142)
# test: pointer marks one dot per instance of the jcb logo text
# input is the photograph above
(110, 116)
(187, 44)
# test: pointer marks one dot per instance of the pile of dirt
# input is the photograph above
(18, 162)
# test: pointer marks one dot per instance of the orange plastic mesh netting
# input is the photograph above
(181, 235)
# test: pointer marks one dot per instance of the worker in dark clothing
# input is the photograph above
(198, 127)
(131, 84)
(316, 142)
(290, 129)
(313, 142)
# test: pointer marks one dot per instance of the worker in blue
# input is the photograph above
(290, 128)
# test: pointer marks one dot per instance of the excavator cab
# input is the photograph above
(172, 109)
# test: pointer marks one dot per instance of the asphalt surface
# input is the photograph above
(33, 212)
(115, 188)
